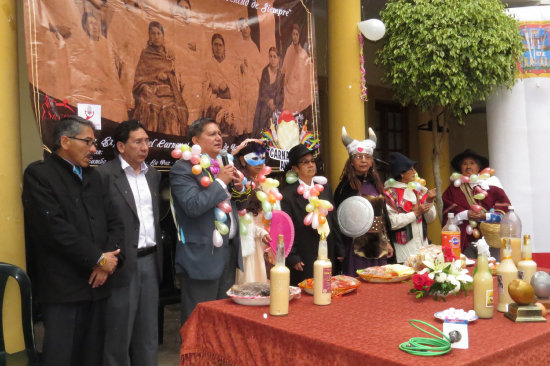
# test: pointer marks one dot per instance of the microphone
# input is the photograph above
(225, 161)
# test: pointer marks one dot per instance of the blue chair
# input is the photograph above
(29, 356)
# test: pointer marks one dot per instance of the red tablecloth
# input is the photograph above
(361, 328)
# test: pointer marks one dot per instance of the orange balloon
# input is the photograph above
(322, 219)
(476, 233)
(196, 169)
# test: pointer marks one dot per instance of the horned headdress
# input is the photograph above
(359, 147)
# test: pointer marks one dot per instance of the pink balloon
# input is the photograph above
(315, 221)
(308, 219)
(465, 179)
(476, 208)
(195, 159)
(253, 185)
(469, 230)
(313, 192)
(265, 170)
(225, 207)
(242, 212)
(301, 189)
(261, 178)
(176, 153)
(319, 187)
(278, 196)
(486, 171)
(205, 181)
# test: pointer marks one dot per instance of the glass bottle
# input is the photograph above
(483, 288)
(526, 266)
(322, 273)
(506, 273)
(279, 287)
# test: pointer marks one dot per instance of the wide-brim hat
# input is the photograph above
(469, 153)
(296, 153)
(399, 163)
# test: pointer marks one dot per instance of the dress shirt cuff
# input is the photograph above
(462, 216)
(224, 186)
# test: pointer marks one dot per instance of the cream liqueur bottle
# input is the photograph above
(526, 266)
(483, 284)
(279, 288)
(506, 273)
(322, 273)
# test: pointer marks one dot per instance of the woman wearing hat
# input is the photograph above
(359, 177)
(410, 210)
(460, 200)
(250, 158)
(306, 239)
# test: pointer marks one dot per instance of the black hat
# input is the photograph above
(399, 163)
(295, 154)
(482, 161)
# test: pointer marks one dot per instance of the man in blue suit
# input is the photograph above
(206, 272)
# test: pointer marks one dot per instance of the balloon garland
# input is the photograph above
(317, 209)
(203, 162)
(415, 185)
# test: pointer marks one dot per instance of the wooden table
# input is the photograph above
(361, 328)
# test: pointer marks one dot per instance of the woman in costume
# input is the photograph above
(157, 90)
(459, 198)
(271, 94)
(410, 210)
(359, 177)
(250, 159)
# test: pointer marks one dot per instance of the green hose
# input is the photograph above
(422, 346)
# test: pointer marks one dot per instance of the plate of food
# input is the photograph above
(340, 285)
(386, 274)
(456, 314)
(256, 293)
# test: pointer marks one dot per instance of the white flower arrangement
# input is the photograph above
(442, 275)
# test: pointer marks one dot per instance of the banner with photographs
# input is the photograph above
(170, 62)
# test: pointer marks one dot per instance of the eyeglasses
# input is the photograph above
(362, 157)
(140, 142)
(89, 141)
(305, 162)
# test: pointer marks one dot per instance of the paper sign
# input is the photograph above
(461, 326)
(90, 112)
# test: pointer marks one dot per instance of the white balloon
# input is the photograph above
(457, 183)
(319, 179)
(217, 239)
(196, 149)
(372, 29)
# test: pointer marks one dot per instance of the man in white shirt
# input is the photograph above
(132, 322)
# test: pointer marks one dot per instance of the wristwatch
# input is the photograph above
(102, 260)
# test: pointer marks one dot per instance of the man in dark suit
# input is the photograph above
(73, 234)
(132, 329)
(306, 240)
(206, 272)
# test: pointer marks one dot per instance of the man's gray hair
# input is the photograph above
(70, 127)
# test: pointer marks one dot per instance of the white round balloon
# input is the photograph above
(372, 29)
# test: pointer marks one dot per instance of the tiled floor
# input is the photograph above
(168, 353)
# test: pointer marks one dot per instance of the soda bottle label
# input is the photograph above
(451, 239)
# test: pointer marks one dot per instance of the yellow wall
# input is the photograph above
(12, 249)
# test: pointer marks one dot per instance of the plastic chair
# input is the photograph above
(29, 356)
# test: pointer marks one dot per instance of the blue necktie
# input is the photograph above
(78, 171)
